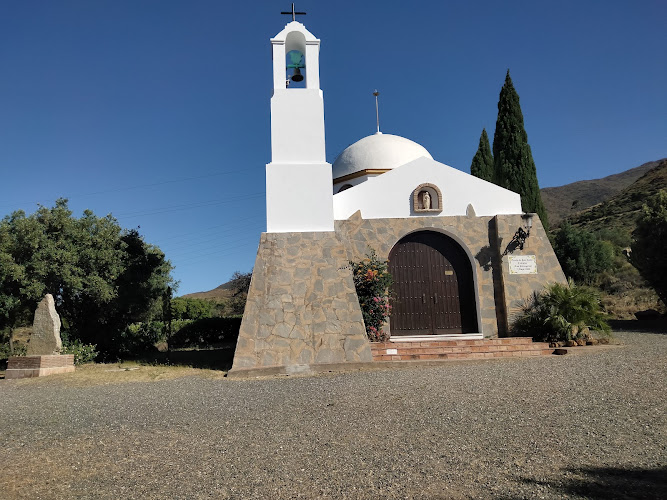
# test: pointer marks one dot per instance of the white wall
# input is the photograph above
(298, 179)
(389, 195)
(298, 198)
(297, 126)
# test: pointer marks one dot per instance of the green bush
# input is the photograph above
(5, 352)
(372, 282)
(649, 243)
(560, 313)
(83, 353)
(206, 332)
(582, 256)
(191, 308)
(139, 338)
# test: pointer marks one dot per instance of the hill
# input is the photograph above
(620, 212)
(564, 201)
(624, 291)
(220, 293)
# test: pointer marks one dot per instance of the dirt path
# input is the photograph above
(588, 426)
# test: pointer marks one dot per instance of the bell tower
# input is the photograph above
(299, 197)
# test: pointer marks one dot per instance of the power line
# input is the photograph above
(186, 239)
(223, 251)
(186, 206)
(217, 247)
(129, 188)
(183, 235)
(206, 243)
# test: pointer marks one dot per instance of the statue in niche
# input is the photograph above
(426, 200)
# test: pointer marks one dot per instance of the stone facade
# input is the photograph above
(302, 308)
(484, 239)
(518, 287)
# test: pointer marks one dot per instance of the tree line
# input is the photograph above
(103, 278)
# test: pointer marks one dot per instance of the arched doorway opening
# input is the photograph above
(433, 290)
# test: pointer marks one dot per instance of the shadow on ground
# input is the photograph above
(214, 358)
(634, 325)
(602, 483)
(219, 358)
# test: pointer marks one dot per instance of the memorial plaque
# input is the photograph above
(523, 264)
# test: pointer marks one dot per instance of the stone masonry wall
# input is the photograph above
(302, 307)
(474, 233)
(518, 287)
(485, 238)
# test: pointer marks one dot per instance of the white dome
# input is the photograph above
(377, 152)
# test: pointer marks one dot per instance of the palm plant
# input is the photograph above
(560, 313)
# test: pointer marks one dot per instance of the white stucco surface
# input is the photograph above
(298, 198)
(389, 195)
(298, 179)
(295, 36)
(377, 151)
(297, 126)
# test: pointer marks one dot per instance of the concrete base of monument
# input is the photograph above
(38, 366)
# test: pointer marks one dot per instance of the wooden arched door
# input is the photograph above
(433, 286)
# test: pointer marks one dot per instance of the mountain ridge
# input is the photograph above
(621, 210)
(568, 199)
(614, 200)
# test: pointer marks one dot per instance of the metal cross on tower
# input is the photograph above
(294, 13)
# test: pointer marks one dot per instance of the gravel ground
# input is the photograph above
(579, 426)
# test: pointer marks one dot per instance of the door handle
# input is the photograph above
(423, 298)
(435, 297)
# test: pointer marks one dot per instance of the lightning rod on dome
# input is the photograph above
(377, 111)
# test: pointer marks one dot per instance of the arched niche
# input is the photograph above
(295, 49)
(427, 198)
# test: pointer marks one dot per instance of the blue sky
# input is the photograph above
(158, 111)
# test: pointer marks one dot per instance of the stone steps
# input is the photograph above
(511, 347)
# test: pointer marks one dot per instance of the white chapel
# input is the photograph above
(450, 238)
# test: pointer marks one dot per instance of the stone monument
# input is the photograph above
(43, 357)
(45, 338)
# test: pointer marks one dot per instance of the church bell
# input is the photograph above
(297, 76)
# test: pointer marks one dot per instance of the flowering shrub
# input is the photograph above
(372, 281)
(83, 353)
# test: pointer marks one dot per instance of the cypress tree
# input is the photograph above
(482, 162)
(514, 167)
